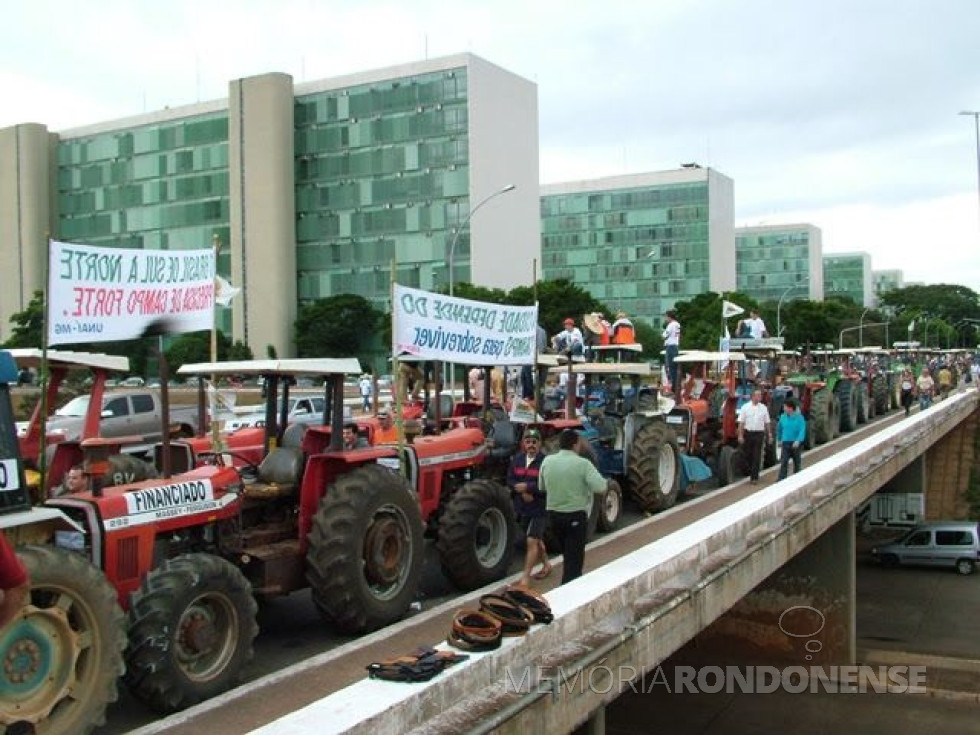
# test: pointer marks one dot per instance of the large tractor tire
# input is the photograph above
(654, 471)
(895, 390)
(477, 530)
(62, 655)
(191, 627)
(847, 395)
(365, 550)
(865, 408)
(610, 508)
(810, 441)
(730, 465)
(821, 407)
(879, 388)
(835, 414)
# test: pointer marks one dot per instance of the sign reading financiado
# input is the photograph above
(436, 327)
(100, 294)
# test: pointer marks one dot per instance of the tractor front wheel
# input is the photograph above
(62, 655)
(610, 508)
(191, 627)
(365, 549)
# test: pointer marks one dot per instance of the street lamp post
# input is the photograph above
(452, 261)
(779, 305)
(861, 328)
(976, 124)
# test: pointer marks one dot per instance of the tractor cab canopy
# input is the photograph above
(30, 357)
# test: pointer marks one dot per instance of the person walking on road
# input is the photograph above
(364, 385)
(908, 390)
(570, 480)
(14, 583)
(754, 428)
(926, 387)
(791, 432)
(529, 504)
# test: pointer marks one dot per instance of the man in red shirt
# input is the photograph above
(14, 584)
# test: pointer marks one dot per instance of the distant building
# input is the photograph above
(641, 242)
(849, 274)
(780, 261)
(314, 188)
(887, 280)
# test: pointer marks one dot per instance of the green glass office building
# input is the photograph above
(641, 242)
(849, 274)
(888, 280)
(314, 189)
(780, 262)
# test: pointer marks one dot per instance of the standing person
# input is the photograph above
(529, 504)
(364, 385)
(672, 345)
(908, 390)
(477, 382)
(757, 327)
(945, 381)
(754, 428)
(926, 387)
(14, 583)
(569, 481)
(387, 432)
(791, 432)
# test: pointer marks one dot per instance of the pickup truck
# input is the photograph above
(125, 413)
(302, 410)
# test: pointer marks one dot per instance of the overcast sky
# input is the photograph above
(839, 113)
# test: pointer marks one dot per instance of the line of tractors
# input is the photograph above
(153, 571)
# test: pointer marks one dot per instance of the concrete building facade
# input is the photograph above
(849, 274)
(888, 280)
(641, 242)
(776, 262)
(314, 189)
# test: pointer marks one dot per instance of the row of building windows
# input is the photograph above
(98, 199)
(144, 168)
(399, 160)
(145, 218)
(613, 220)
(188, 133)
(647, 198)
(386, 131)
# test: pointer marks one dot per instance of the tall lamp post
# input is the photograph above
(861, 327)
(976, 124)
(779, 305)
(452, 260)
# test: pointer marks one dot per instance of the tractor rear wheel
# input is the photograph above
(729, 465)
(882, 400)
(476, 534)
(810, 441)
(610, 508)
(191, 627)
(865, 407)
(821, 406)
(847, 396)
(365, 549)
(654, 471)
(835, 412)
(62, 654)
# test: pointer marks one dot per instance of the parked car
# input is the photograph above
(133, 381)
(124, 413)
(952, 544)
(302, 410)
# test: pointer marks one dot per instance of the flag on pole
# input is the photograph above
(225, 292)
(911, 326)
(729, 309)
(724, 345)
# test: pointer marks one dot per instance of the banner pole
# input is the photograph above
(396, 373)
(42, 461)
(215, 429)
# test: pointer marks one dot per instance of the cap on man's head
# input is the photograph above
(569, 322)
(532, 434)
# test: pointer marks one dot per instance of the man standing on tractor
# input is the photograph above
(570, 480)
(529, 505)
(14, 584)
(757, 327)
(672, 345)
(754, 429)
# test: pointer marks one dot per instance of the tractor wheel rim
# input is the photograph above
(612, 505)
(666, 469)
(207, 636)
(490, 537)
(387, 551)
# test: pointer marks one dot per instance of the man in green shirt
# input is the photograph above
(570, 481)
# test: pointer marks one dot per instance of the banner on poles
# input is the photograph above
(103, 294)
(436, 327)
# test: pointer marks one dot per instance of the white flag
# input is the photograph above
(729, 309)
(724, 345)
(225, 291)
(911, 326)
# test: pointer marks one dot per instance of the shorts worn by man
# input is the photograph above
(14, 584)
(570, 480)
(529, 503)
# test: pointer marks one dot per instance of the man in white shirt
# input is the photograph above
(672, 344)
(757, 327)
(365, 386)
(754, 428)
(569, 340)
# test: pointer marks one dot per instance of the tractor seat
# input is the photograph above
(504, 439)
(279, 474)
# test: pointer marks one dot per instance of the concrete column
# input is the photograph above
(802, 615)
(948, 466)
(263, 211)
(25, 215)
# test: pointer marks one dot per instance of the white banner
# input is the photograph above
(431, 326)
(102, 294)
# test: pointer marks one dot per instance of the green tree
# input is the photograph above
(239, 351)
(337, 326)
(948, 302)
(28, 324)
(195, 347)
(558, 300)
(700, 318)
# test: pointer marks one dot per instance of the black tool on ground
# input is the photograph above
(514, 619)
(532, 601)
(420, 665)
(474, 630)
